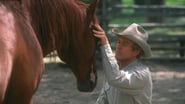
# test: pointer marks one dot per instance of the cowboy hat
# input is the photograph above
(138, 35)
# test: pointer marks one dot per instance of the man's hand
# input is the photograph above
(100, 34)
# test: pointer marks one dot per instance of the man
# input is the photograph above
(127, 80)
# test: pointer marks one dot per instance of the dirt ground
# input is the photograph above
(58, 85)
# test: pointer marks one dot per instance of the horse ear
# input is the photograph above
(92, 7)
(91, 11)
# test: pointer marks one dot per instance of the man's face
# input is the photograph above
(124, 50)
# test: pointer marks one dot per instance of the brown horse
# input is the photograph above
(21, 63)
(31, 29)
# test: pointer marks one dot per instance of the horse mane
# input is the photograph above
(52, 17)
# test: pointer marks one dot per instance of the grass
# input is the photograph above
(175, 2)
(170, 31)
(167, 2)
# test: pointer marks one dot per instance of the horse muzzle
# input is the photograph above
(89, 84)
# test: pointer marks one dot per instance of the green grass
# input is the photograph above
(127, 20)
(170, 31)
(175, 2)
(128, 2)
(167, 2)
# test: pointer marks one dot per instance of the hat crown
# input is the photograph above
(137, 31)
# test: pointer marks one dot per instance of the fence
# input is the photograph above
(159, 42)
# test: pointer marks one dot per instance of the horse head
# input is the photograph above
(88, 75)
(66, 28)
(80, 55)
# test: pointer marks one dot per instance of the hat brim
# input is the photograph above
(144, 46)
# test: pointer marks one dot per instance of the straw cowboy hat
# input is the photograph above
(138, 35)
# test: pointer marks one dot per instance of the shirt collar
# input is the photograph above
(130, 66)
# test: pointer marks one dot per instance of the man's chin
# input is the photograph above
(118, 58)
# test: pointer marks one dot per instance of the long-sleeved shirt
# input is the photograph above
(129, 85)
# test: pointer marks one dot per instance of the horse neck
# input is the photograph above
(62, 19)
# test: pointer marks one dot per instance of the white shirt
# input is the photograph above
(130, 85)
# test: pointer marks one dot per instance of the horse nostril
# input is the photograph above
(89, 83)
(87, 86)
